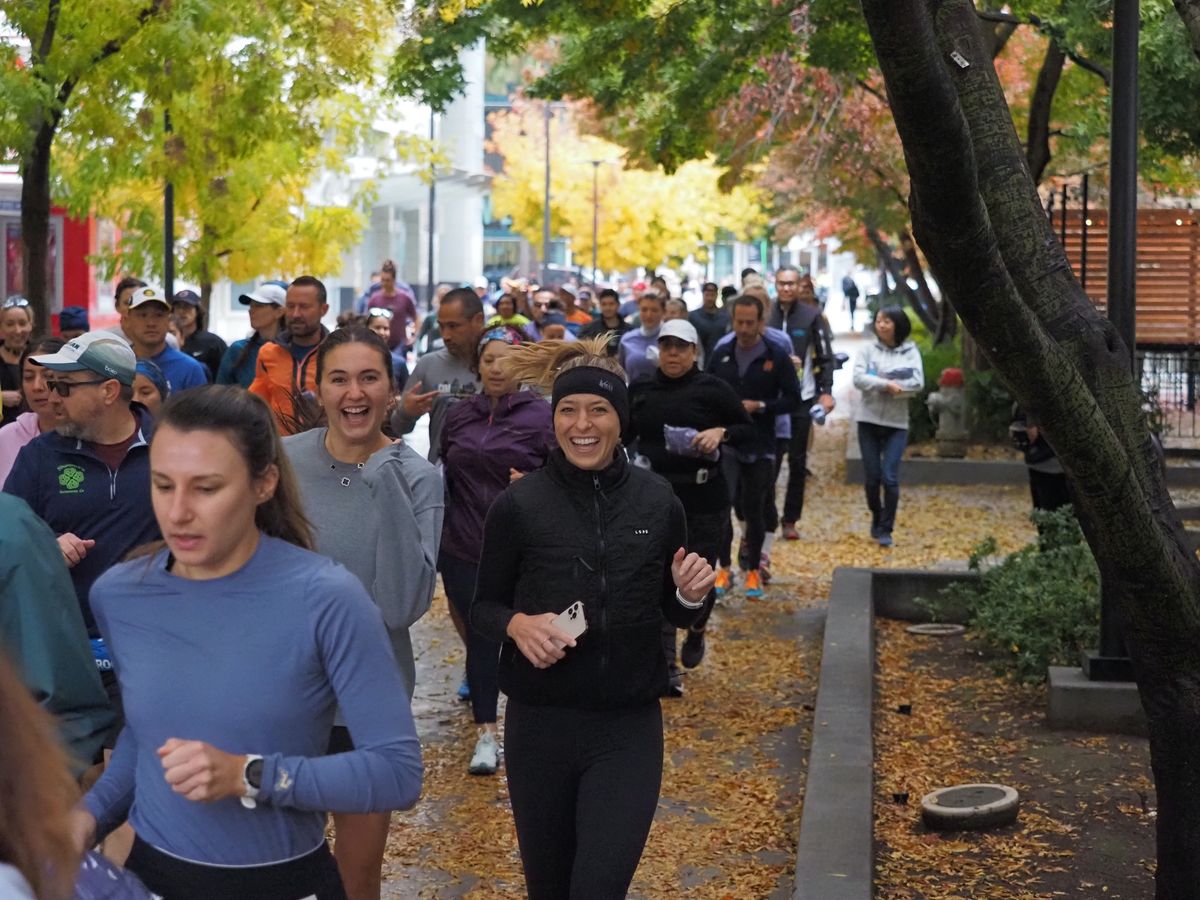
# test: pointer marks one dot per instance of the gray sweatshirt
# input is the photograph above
(875, 365)
(382, 521)
(443, 372)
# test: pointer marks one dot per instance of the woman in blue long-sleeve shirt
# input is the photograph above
(234, 645)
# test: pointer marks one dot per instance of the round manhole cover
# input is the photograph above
(966, 797)
(970, 806)
(935, 629)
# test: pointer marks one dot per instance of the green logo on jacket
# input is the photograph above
(70, 479)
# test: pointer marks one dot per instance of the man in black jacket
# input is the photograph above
(796, 313)
(765, 381)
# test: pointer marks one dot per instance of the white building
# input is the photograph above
(398, 226)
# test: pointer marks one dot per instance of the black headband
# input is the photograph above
(593, 380)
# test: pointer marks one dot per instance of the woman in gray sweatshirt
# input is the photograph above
(376, 507)
(889, 372)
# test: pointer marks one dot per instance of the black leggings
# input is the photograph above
(312, 875)
(584, 785)
(483, 656)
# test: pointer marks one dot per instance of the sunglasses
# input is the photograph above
(379, 311)
(64, 388)
(15, 303)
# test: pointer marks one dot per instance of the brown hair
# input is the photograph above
(248, 423)
(539, 365)
(389, 267)
(36, 794)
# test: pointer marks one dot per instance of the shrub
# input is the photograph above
(989, 405)
(1039, 606)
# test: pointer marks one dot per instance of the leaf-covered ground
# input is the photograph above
(736, 743)
(1086, 826)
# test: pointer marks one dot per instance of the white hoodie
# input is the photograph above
(875, 365)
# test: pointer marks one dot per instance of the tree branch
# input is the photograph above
(1037, 144)
(46, 44)
(1055, 35)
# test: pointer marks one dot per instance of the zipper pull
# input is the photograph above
(596, 482)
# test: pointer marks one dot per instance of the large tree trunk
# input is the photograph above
(977, 216)
(35, 225)
(1037, 144)
(1189, 11)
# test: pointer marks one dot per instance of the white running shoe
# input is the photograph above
(486, 758)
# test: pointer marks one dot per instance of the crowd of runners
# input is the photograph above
(213, 557)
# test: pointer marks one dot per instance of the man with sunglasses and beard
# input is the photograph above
(89, 479)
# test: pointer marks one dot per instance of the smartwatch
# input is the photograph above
(252, 773)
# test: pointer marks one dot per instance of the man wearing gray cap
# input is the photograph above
(89, 480)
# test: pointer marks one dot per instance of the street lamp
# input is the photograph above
(1111, 662)
(547, 113)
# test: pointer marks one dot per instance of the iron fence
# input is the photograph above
(1169, 375)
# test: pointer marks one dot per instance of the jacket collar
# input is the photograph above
(613, 476)
(686, 378)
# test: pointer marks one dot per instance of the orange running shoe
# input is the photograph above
(753, 584)
(723, 581)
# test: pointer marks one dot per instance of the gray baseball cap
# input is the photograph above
(101, 352)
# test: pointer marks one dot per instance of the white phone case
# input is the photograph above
(572, 620)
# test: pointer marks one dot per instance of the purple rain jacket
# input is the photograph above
(479, 448)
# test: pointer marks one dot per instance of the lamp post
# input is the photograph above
(1111, 662)
(168, 220)
(432, 211)
(595, 214)
(547, 113)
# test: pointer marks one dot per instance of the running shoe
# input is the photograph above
(764, 568)
(724, 581)
(692, 650)
(789, 532)
(674, 685)
(753, 584)
(486, 758)
(464, 690)
(885, 539)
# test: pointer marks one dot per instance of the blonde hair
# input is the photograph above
(538, 365)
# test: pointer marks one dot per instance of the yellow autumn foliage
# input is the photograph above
(646, 216)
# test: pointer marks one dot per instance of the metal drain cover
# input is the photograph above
(936, 629)
(970, 807)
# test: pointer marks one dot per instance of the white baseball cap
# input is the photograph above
(274, 294)
(143, 295)
(101, 352)
(680, 329)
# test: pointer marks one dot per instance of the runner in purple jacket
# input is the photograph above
(489, 440)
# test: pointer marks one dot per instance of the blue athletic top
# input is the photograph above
(254, 662)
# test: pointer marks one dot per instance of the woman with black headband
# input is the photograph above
(582, 561)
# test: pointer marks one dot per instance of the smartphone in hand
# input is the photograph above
(571, 620)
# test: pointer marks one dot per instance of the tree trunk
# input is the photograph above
(977, 215)
(1037, 145)
(35, 225)
(1189, 11)
(941, 310)
(889, 264)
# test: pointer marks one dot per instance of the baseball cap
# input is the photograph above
(101, 352)
(265, 293)
(481, 282)
(191, 298)
(680, 329)
(143, 295)
(73, 317)
(569, 289)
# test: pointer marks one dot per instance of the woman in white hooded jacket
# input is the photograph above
(888, 371)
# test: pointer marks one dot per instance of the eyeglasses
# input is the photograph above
(15, 303)
(379, 311)
(541, 304)
(64, 388)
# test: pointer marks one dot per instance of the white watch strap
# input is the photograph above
(684, 601)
